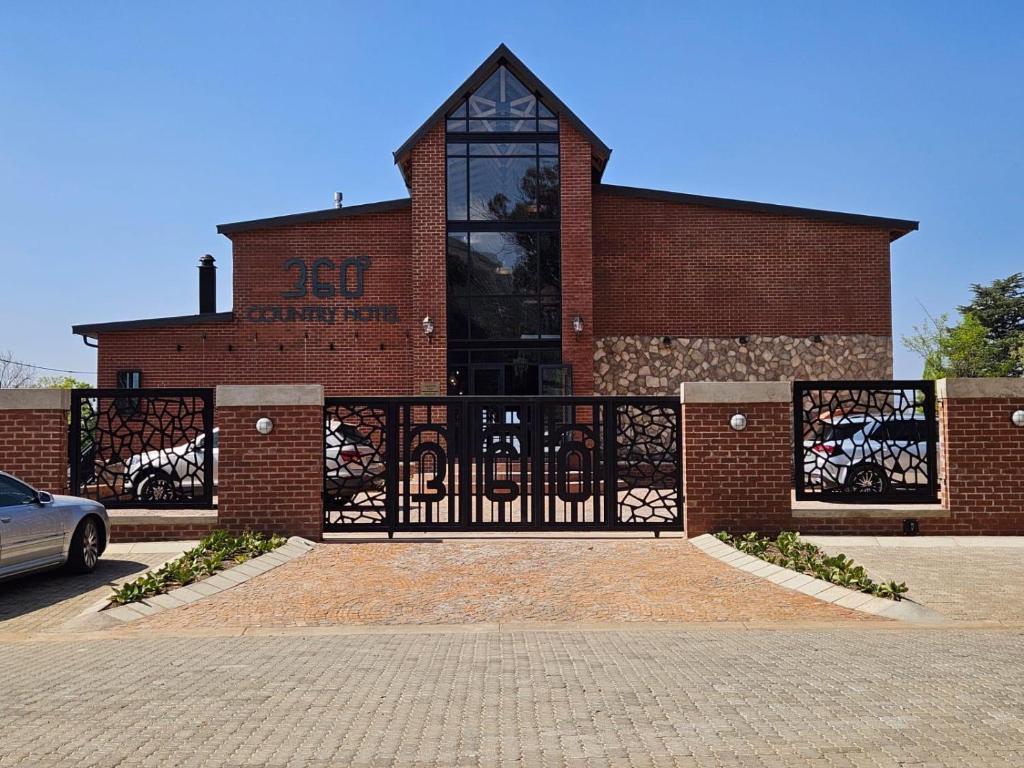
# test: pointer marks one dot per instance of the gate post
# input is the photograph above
(34, 436)
(737, 480)
(275, 481)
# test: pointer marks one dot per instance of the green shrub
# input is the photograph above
(788, 550)
(218, 550)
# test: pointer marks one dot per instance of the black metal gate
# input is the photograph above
(143, 447)
(509, 463)
(865, 441)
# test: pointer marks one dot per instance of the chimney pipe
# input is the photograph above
(207, 285)
(337, 199)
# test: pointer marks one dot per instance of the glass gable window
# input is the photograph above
(502, 105)
(504, 253)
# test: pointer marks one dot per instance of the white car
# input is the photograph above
(39, 530)
(353, 465)
(867, 454)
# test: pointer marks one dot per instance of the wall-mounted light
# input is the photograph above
(738, 422)
(1018, 418)
(428, 326)
(264, 426)
(577, 325)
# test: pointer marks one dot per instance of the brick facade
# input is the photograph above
(767, 292)
(347, 355)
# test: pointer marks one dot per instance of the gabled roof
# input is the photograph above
(502, 55)
(897, 227)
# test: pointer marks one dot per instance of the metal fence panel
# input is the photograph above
(150, 448)
(866, 442)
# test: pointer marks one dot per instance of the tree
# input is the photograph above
(999, 308)
(61, 382)
(13, 373)
(960, 351)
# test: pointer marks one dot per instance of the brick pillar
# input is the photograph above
(429, 262)
(34, 436)
(982, 455)
(271, 482)
(737, 481)
(577, 256)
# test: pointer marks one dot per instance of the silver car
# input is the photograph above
(867, 454)
(39, 530)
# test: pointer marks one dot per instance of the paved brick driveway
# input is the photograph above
(963, 580)
(467, 581)
(44, 602)
(845, 698)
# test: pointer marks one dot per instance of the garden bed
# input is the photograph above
(216, 552)
(788, 550)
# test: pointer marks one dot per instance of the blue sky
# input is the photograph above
(129, 130)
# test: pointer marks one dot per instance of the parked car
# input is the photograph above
(353, 465)
(39, 530)
(868, 454)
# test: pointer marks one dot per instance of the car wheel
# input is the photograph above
(157, 486)
(84, 552)
(867, 480)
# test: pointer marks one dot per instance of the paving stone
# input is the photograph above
(649, 699)
(164, 601)
(473, 581)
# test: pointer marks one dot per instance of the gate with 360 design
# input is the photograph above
(510, 463)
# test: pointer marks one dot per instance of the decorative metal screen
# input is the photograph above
(143, 447)
(865, 441)
(466, 463)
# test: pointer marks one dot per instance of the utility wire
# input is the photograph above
(42, 367)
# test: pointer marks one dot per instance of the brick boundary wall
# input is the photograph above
(271, 482)
(34, 436)
(161, 531)
(737, 480)
(742, 481)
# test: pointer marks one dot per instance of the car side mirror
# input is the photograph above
(42, 497)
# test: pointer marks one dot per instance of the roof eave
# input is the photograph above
(91, 330)
(309, 217)
(897, 227)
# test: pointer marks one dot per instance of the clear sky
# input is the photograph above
(129, 130)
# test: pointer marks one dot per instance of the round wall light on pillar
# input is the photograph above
(264, 426)
(1017, 418)
(738, 422)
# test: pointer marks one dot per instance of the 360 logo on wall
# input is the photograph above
(324, 278)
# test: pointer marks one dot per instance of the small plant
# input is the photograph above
(218, 550)
(788, 550)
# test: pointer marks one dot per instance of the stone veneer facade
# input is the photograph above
(646, 365)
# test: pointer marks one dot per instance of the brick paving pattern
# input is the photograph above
(845, 698)
(43, 602)
(975, 584)
(461, 582)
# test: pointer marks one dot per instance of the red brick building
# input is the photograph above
(511, 268)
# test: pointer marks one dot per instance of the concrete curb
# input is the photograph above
(95, 617)
(902, 610)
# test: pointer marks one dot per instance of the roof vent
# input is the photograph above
(337, 199)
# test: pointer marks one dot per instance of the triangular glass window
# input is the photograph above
(501, 104)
